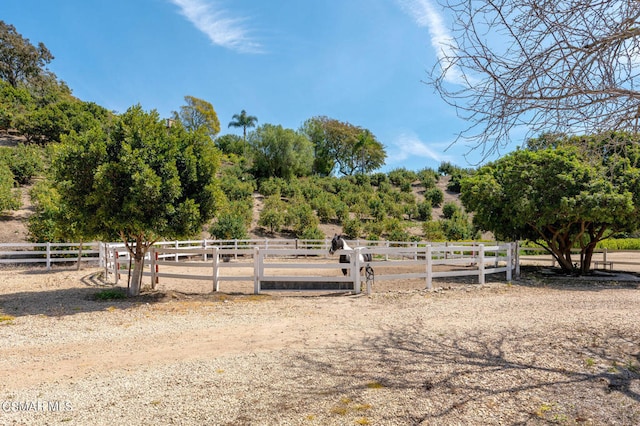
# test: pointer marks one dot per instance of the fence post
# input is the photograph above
(216, 282)
(104, 257)
(368, 281)
(509, 247)
(481, 264)
(116, 265)
(48, 256)
(355, 270)
(204, 246)
(517, 256)
(177, 247)
(257, 269)
(153, 257)
(429, 267)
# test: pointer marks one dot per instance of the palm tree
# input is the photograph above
(243, 120)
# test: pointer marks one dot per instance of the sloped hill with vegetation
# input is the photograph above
(271, 182)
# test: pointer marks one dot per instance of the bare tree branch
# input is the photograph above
(541, 65)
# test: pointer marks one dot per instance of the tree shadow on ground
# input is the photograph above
(71, 300)
(540, 276)
(511, 377)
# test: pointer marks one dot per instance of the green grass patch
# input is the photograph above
(110, 294)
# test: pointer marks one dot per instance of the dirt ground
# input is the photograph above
(538, 350)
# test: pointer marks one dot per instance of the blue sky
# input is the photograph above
(284, 61)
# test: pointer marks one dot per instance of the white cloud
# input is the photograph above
(409, 146)
(425, 15)
(222, 30)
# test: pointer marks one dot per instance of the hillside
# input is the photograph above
(330, 229)
(13, 227)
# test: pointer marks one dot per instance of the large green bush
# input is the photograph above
(229, 227)
(9, 199)
(24, 161)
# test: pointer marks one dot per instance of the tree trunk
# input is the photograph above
(587, 256)
(79, 255)
(136, 277)
(563, 256)
(138, 252)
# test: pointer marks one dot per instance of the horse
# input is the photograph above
(339, 243)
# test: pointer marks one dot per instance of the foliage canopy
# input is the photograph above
(562, 198)
(140, 181)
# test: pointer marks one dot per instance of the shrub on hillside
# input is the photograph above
(24, 161)
(273, 215)
(300, 216)
(459, 228)
(424, 210)
(402, 177)
(428, 178)
(229, 227)
(313, 233)
(352, 228)
(9, 199)
(236, 189)
(433, 231)
(449, 209)
(435, 196)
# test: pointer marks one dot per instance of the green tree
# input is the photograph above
(24, 161)
(243, 121)
(198, 114)
(370, 152)
(51, 221)
(395, 230)
(140, 181)
(300, 216)
(458, 227)
(273, 215)
(9, 199)
(435, 196)
(19, 59)
(449, 209)
(424, 210)
(343, 145)
(229, 226)
(433, 231)
(48, 123)
(559, 198)
(352, 228)
(323, 162)
(230, 144)
(280, 152)
(14, 103)
(428, 178)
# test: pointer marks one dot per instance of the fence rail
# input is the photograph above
(256, 260)
(298, 269)
(48, 253)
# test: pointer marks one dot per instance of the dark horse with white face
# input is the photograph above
(339, 243)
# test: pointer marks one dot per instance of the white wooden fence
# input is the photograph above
(49, 253)
(305, 266)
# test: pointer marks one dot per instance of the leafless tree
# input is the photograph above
(562, 66)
